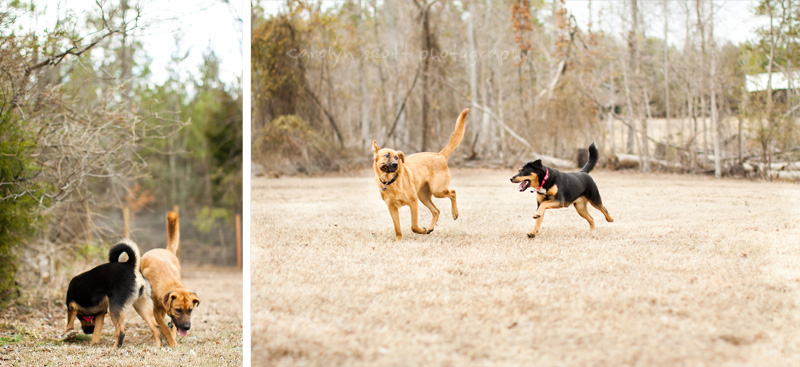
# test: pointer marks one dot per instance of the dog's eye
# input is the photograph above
(189, 312)
(178, 311)
(387, 155)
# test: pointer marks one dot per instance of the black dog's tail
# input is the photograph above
(128, 247)
(592, 159)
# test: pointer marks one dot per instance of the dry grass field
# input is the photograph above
(31, 338)
(694, 271)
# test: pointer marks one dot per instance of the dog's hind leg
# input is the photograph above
(580, 206)
(98, 329)
(414, 219)
(449, 194)
(425, 198)
(599, 206)
(119, 326)
(144, 307)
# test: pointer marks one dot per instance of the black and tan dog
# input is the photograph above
(556, 189)
(404, 180)
(112, 286)
(170, 297)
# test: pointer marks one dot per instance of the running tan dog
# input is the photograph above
(162, 269)
(404, 180)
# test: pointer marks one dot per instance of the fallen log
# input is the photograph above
(631, 161)
(787, 175)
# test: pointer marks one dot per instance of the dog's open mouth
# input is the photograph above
(182, 332)
(524, 185)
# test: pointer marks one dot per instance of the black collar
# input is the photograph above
(386, 184)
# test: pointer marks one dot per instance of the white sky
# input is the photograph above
(734, 20)
(200, 23)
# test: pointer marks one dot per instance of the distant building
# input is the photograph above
(758, 82)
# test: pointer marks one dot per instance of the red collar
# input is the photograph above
(546, 175)
(89, 319)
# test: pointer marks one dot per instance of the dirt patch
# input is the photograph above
(34, 336)
(694, 271)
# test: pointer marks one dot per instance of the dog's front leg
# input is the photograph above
(398, 235)
(71, 314)
(168, 334)
(539, 216)
(414, 223)
(97, 334)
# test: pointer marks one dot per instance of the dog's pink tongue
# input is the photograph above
(182, 332)
(523, 185)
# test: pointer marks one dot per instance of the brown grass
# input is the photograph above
(31, 338)
(694, 271)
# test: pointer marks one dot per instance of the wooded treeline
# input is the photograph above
(84, 132)
(330, 78)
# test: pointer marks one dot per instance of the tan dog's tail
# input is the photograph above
(458, 133)
(173, 232)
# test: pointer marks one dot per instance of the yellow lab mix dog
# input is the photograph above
(170, 298)
(404, 180)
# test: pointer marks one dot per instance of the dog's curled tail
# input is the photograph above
(173, 232)
(458, 134)
(128, 247)
(592, 159)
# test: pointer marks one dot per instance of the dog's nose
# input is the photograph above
(512, 179)
(186, 327)
(394, 164)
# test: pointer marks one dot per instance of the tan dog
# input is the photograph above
(404, 180)
(162, 269)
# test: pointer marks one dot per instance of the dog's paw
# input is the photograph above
(455, 216)
(536, 216)
(531, 235)
(428, 231)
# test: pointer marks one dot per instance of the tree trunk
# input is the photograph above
(489, 129)
(473, 76)
(362, 79)
(713, 90)
(767, 140)
(427, 49)
(666, 75)
(634, 65)
(631, 67)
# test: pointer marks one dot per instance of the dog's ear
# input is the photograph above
(402, 156)
(375, 148)
(537, 163)
(168, 298)
(195, 300)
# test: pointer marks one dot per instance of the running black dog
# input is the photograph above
(111, 286)
(556, 189)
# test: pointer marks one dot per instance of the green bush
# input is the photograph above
(18, 204)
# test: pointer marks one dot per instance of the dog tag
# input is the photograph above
(541, 191)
